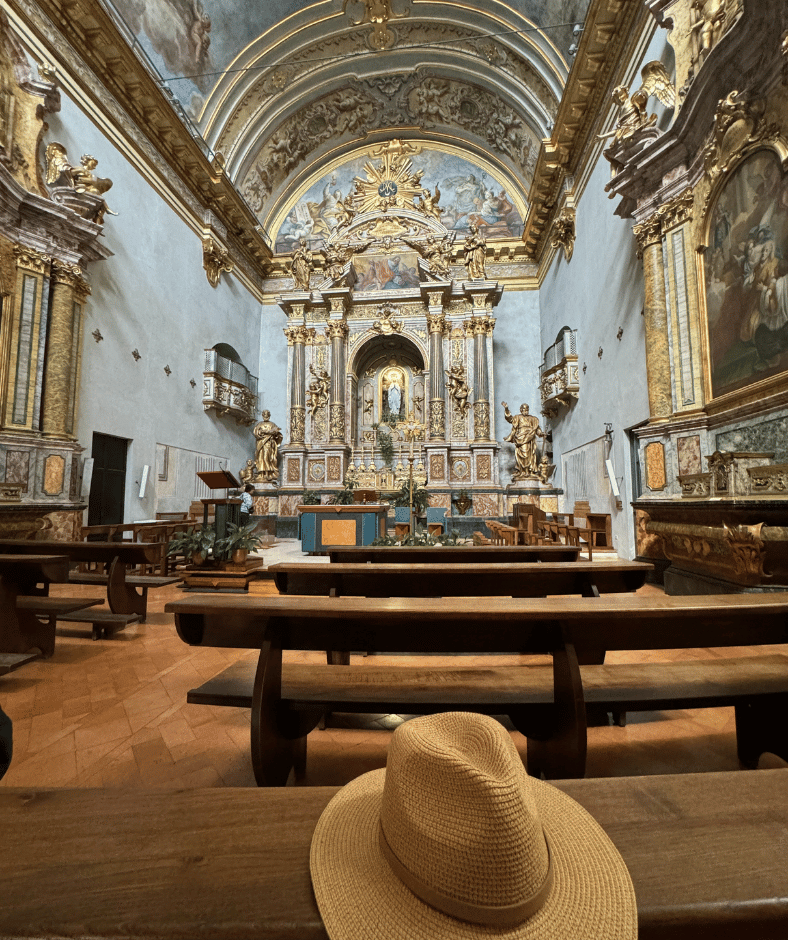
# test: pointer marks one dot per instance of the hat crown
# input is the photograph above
(458, 812)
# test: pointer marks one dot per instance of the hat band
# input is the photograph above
(489, 916)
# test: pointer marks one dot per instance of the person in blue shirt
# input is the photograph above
(247, 504)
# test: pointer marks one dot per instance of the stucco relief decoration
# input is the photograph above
(387, 324)
(334, 468)
(635, 125)
(746, 274)
(378, 13)
(437, 467)
(563, 234)
(484, 467)
(77, 187)
(215, 260)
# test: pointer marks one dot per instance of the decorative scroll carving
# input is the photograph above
(437, 419)
(695, 485)
(769, 480)
(484, 467)
(297, 424)
(739, 126)
(337, 422)
(481, 420)
(387, 324)
(215, 260)
(563, 234)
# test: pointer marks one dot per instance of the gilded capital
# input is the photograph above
(31, 259)
(296, 334)
(483, 326)
(64, 273)
(649, 232)
(337, 329)
(436, 323)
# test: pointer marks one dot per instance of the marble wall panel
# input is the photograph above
(54, 474)
(766, 437)
(690, 461)
(486, 504)
(17, 468)
(288, 505)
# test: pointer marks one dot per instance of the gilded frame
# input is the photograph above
(758, 389)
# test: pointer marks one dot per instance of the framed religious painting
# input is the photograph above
(745, 276)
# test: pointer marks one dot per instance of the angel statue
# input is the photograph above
(633, 116)
(437, 254)
(81, 178)
(336, 259)
(428, 203)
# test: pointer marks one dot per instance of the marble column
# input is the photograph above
(660, 398)
(436, 323)
(68, 292)
(24, 371)
(337, 332)
(296, 337)
(482, 328)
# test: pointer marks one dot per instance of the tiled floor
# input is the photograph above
(113, 713)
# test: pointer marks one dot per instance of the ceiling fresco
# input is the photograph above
(466, 191)
(194, 41)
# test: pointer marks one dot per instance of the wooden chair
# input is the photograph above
(594, 529)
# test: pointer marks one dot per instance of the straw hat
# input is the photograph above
(454, 840)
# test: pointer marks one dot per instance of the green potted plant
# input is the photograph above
(195, 545)
(345, 496)
(420, 498)
(237, 544)
(310, 498)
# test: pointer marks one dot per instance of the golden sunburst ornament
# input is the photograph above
(390, 184)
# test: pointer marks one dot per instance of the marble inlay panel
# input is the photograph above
(288, 504)
(655, 466)
(764, 438)
(689, 455)
(334, 469)
(549, 503)
(293, 470)
(260, 505)
(17, 468)
(24, 349)
(485, 505)
(484, 467)
(54, 474)
(437, 467)
(440, 501)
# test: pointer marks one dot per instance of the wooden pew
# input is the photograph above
(457, 580)
(703, 851)
(126, 602)
(546, 704)
(462, 554)
(23, 605)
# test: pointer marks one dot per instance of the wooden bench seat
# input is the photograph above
(569, 628)
(102, 622)
(11, 661)
(122, 594)
(704, 852)
(709, 683)
(460, 554)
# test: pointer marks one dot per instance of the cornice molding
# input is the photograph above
(610, 30)
(106, 72)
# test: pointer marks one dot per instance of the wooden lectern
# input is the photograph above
(225, 510)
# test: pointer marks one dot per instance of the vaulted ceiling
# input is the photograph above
(284, 90)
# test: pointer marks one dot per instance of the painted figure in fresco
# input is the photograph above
(525, 430)
(269, 437)
(475, 253)
(301, 266)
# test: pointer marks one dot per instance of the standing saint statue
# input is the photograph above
(269, 437)
(301, 266)
(394, 397)
(475, 252)
(525, 430)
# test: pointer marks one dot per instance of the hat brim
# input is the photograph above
(360, 898)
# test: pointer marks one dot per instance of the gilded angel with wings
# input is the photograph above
(633, 116)
(81, 179)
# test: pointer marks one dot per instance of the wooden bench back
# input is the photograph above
(503, 624)
(462, 554)
(443, 580)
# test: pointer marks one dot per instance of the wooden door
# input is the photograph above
(108, 485)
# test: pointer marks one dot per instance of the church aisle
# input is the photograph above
(113, 713)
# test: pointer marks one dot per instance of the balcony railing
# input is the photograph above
(229, 388)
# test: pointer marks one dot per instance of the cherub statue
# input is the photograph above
(318, 389)
(633, 116)
(437, 253)
(336, 259)
(708, 21)
(428, 203)
(546, 469)
(344, 211)
(81, 178)
(247, 473)
(458, 388)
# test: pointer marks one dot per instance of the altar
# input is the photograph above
(358, 524)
